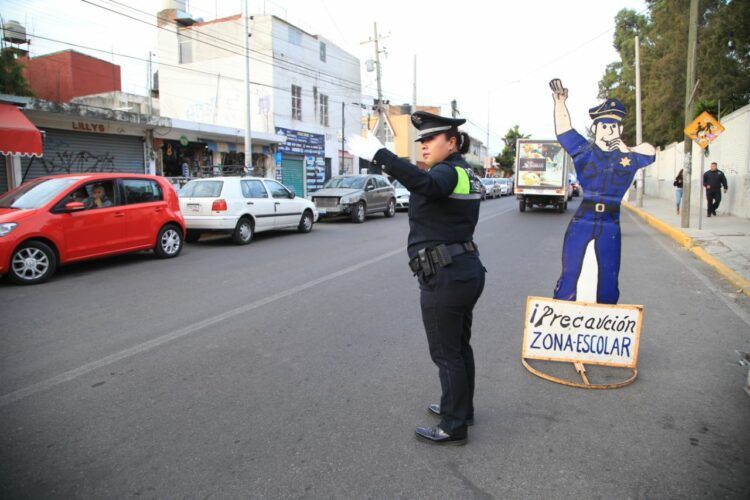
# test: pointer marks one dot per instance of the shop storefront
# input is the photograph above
(303, 162)
(72, 151)
(182, 157)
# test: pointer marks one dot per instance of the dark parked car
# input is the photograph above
(356, 196)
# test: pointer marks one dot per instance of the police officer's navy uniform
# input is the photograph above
(443, 212)
(605, 177)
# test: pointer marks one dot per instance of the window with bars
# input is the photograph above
(296, 102)
(324, 110)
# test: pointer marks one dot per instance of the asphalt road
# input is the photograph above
(297, 367)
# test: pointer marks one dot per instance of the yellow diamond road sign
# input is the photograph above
(704, 129)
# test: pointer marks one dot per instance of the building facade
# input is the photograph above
(303, 88)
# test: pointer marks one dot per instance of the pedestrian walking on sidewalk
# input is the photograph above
(443, 212)
(713, 181)
(678, 190)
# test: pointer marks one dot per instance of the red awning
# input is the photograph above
(18, 136)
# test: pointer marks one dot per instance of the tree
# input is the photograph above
(12, 80)
(723, 64)
(619, 77)
(507, 158)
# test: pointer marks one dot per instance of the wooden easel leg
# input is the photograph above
(581, 371)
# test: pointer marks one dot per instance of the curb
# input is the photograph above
(687, 242)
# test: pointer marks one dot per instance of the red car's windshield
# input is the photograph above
(36, 193)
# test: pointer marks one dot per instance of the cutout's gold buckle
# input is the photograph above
(599, 207)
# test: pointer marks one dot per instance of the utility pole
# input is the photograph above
(343, 134)
(638, 122)
(381, 115)
(150, 85)
(689, 94)
(413, 110)
(248, 139)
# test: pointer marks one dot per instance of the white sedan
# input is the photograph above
(242, 206)
(402, 196)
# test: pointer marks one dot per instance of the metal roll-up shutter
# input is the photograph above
(3, 175)
(293, 174)
(68, 152)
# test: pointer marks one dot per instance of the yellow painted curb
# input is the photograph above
(686, 241)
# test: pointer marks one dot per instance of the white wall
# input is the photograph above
(291, 69)
(731, 151)
(210, 89)
(214, 93)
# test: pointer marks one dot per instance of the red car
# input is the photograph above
(60, 219)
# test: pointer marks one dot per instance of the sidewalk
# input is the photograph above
(723, 242)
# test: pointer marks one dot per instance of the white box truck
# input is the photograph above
(542, 168)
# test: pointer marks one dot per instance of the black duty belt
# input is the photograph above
(428, 260)
(600, 207)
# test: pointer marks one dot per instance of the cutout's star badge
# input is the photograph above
(625, 162)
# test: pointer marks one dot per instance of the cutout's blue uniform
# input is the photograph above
(605, 177)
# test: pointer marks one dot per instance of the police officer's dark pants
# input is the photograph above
(447, 300)
(713, 198)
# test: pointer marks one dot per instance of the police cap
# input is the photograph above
(610, 110)
(429, 124)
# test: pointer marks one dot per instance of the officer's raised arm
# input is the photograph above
(562, 117)
(437, 183)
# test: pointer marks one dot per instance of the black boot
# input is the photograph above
(434, 408)
(436, 435)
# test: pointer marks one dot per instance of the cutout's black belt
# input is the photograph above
(600, 207)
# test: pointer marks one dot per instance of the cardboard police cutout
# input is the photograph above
(605, 170)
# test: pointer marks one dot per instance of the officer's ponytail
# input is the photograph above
(463, 141)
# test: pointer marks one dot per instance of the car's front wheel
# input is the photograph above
(168, 242)
(32, 263)
(306, 223)
(359, 212)
(391, 210)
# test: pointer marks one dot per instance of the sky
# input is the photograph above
(495, 56)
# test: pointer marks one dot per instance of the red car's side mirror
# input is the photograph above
(74, 206)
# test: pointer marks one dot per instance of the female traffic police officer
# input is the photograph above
(443, 212)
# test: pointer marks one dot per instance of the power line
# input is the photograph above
(271, 56)
(137, 58)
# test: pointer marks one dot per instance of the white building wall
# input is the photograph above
(210, 89)
(732, 153)
(301, 65)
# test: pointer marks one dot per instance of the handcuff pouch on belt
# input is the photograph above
(428, 260)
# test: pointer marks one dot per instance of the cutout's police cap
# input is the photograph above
(610, 110)
(429, 124)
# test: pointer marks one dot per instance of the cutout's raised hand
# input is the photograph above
(559, 93)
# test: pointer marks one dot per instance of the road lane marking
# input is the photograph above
(17, 395)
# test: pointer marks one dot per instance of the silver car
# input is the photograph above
(355, 196)
(493, 187)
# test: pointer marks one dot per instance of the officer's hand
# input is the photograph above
(559, 93)
(617, 144)
(364, 147)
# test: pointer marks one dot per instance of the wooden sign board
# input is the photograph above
(704, 129)
(582, 332)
